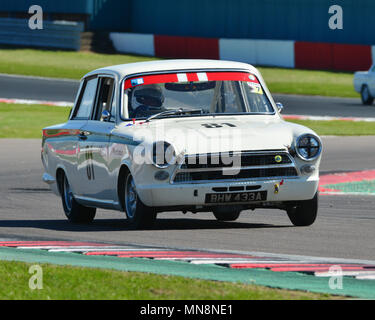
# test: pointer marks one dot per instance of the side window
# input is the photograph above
(87, 100)
(105, 94)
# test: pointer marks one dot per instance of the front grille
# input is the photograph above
(227, 160)
(257, 165)
(243, 174)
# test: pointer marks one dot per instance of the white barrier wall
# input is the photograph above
(242, 50)
(142, 44)
(278, 53)
(258, 52)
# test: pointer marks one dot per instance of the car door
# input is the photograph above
(67, 139)
(93, 145)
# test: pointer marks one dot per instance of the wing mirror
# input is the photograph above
(105, 115)
(280, 106)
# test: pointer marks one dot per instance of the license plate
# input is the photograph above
(236, 197)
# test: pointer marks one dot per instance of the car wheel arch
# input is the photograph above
(370, 97)
(60, 173)
(370, 89)
(124, 170)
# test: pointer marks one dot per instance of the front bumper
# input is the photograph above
(169, 195)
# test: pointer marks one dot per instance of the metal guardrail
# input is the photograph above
(55, 34)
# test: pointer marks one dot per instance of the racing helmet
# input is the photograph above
(149, 95)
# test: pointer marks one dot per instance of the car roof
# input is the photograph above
(124, 70)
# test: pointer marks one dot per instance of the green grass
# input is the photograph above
(27, 121)
(309, 82)
(59, 64)
(74, 283)
(339, 127)
(74, 65)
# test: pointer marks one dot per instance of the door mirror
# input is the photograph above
(280, 107)
(105, 115)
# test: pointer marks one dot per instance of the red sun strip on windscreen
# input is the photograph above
(188, 77)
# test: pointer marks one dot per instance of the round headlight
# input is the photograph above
(308, 147)
(163, 154)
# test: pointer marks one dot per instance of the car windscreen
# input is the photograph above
(211, 92)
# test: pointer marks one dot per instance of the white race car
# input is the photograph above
(364, 83)
(186, 135)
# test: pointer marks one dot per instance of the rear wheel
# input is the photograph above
(303, 213)
(137, 213)
(74, 211)
(366, 97)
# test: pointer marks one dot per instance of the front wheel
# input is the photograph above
(222, 214)
(303, 213)
(137, 213)
(74, 211)
(366, 97)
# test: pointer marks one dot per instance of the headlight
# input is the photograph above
(163, 154)
(308, 147)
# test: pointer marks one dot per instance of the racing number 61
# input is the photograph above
(90, 165)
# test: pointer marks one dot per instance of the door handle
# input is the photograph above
(82, 136)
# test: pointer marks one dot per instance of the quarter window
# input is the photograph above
(104, 101)
(87, 100)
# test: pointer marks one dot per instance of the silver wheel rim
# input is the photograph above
(68, 195)
(131, 197)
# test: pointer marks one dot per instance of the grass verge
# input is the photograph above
(73, 65)
(339, 127)
(27, 121)
(59, 64)
(74, 283)
(309, 82)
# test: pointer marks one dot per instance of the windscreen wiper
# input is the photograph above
(173, 112)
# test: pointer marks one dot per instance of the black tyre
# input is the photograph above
(137, 213)
(366, 97)
(74, 211)
(223, 214)
(303, 213)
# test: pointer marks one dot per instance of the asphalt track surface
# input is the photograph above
(21, 87)
(46, 89)
(344, 228)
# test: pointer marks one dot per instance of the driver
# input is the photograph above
(148, 101)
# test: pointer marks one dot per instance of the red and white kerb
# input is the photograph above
(190, 77)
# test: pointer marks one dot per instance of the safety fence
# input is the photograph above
(280, 53)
